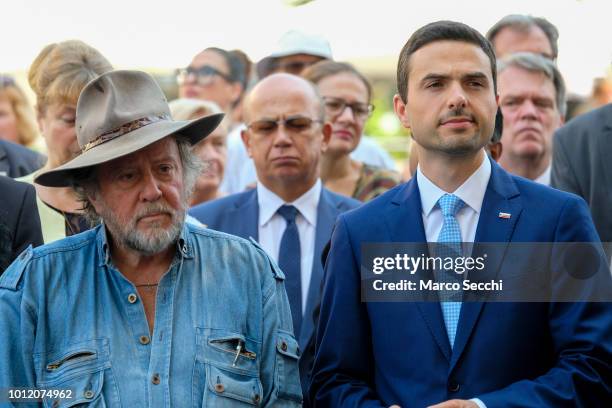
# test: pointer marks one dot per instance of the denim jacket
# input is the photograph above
(69, 320)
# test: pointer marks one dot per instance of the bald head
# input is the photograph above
(286, 134)
(274, 88)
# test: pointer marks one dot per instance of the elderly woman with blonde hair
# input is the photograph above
(212, 150)
(57, 76)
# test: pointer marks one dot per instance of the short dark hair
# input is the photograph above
(326, 68)
(499, 127)
(524, 23)
(440, 31)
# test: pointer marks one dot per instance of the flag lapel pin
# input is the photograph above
(504, 215)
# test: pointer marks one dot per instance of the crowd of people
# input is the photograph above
(210, 250)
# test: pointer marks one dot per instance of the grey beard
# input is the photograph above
(153, 245)
(128, 236)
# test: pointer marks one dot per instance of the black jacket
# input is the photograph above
(19, 220)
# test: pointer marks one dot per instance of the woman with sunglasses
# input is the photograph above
(57, 76)
(214, 75)
(346, 94)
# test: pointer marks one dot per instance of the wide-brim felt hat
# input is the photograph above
(118, 113)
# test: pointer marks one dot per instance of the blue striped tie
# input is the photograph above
(290, 261)
(450, 235)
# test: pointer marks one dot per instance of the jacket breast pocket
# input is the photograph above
(226, 370)
(287, 355)
(79, 369)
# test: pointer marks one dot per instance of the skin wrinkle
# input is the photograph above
(531, 116)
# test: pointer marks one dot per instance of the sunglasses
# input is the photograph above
(293, 67)
(293, 124)
(335, 107)
(203, 75)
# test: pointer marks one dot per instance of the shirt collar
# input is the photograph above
(471, 192)
(306, 204)
(544, 178)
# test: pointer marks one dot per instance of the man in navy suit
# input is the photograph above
(458, 353)
(285, 136)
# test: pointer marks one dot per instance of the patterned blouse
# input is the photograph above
(373, 181)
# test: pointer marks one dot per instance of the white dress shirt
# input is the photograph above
(544, 178)
(471, 192)
(272, 226)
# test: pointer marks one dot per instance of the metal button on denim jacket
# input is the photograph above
(222, 334)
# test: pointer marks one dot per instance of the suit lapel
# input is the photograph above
(404, 221)
(501, 196)
(327, 212)
(244, 217)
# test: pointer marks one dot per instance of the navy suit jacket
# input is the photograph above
(17, 161)
(507, 354)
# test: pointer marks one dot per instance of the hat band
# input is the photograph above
(123, 129)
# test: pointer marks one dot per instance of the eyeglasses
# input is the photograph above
(204, 75)
(293, 124)
(292, 67)
(335, 107)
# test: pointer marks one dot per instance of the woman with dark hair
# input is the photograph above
(214, 75)
(346, 94)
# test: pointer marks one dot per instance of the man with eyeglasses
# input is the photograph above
(214, 75)
(289, 213)
(295, 52)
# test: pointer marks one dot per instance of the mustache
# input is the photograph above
(154, 208)
(456, 113)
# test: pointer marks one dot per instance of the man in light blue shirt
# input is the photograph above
(144, 310)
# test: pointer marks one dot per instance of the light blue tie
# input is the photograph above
(450, 235)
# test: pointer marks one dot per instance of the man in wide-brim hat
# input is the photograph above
(144, 310)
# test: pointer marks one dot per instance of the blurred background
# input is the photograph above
(160, 37)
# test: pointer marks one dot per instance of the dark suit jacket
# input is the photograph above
(238, 214)
(582, 164)
(374, 354)
(18, 161)
(19, 221)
